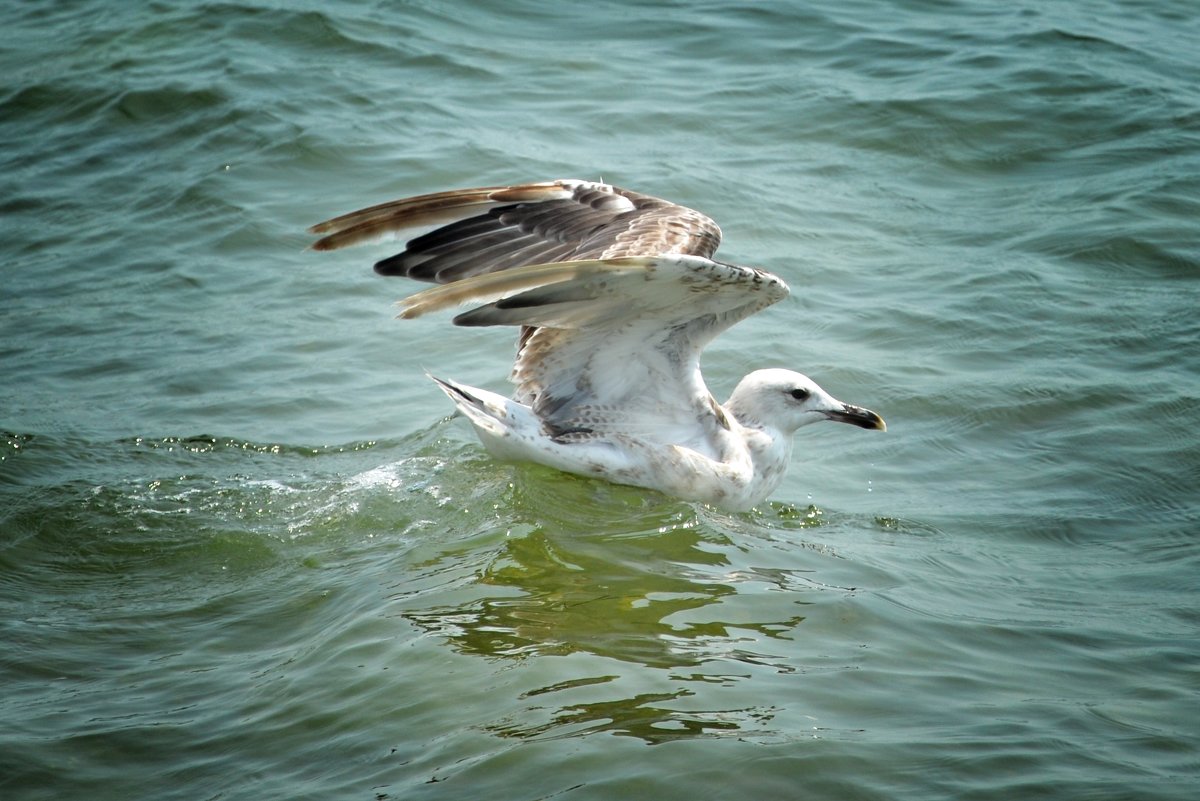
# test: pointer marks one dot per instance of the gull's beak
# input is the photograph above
(857, 416)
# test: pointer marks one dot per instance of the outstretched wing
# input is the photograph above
(617, 341)
(496, 228)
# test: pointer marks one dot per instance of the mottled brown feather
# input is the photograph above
(500, 227)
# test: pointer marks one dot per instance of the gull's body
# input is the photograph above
(616, 295)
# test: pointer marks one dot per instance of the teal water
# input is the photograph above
(245, 553)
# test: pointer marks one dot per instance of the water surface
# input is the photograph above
(246, 553)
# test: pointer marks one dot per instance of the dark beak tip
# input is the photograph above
(872, 423)
(857, 416)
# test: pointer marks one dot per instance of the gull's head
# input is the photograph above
(786, 400)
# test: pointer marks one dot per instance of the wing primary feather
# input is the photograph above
(431, 209)
(490, 287)
(473, 257)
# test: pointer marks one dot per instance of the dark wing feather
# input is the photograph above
(502, 227)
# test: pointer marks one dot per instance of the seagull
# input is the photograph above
(615, 294)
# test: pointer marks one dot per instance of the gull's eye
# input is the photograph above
(800, 394)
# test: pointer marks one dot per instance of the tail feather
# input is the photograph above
(457, 392)
(485, 410)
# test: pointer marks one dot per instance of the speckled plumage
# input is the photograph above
(616, 295)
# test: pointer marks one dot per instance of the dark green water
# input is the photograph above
(246, 554)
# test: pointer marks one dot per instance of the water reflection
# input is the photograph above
(646, 716)
(602, 573)
(617, 594)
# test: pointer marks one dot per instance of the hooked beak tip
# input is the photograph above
(858, 416)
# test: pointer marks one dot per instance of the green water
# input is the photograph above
(245, 553)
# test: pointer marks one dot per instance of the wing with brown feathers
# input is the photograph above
(496, 228)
